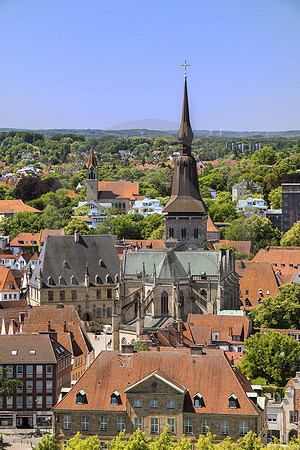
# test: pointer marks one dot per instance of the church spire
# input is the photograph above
(185, 134)
(92, 160)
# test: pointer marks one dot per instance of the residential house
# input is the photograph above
(258, 280)
(251, 206)
(291, 410)
(146, 207)
(43, 366)
(239, 190)
(9, 207)
(10, 284)
(285, 262)
(82, 271)
(97, 212)
(187, 390)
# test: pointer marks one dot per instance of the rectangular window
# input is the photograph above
(137, 403)
(170, 404)
(98, 294)
(1, 401)
(74, 295)
(293, 416)
(29, 385)
(171, 423)
(154, 425)
(19, 370)
(120, 424)
(67, 422)
(9, 401)
(39, 385)
(108, 293)
(103, 423)
(39, 370)
(49, 400)
(188, 426)
(154, 403)
(205, 426)
(243, 428)
(29, 370)
(39, 400)
(62, 296)
(225, 427)
(9, 371)
(84, 423)
(109, 312)
(50, 296)
(272, 417)
(137, 423)
(247, 291)
(29, 401)
(19, 401)
(49, 385)
(49, 370)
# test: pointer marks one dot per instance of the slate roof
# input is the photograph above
(209, 373)
(62, 257)
(168, 260)
(47, 350)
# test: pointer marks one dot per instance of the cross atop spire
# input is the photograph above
(185, 65)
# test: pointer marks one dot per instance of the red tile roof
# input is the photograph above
(15, 206)
(287, 259)
(209, 373)
(118, 189)
(240, 246)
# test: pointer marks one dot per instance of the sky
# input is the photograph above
(94, 63)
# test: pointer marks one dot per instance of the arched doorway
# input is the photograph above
(87, 317)
(164, 303)
(293, 434)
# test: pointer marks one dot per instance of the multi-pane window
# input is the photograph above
(171, 404)
(103, 423)
(154, 425)
(109, 293)
(29, 401)
(19, 370)
(29, 384)
(188, 426)
(293, 416)
(137, 423)
(98, 294)
(205, 426)
(224, 427)
(84, 423)
(103, 446)
(74, 295)
(154, 403)
(19, 401)
(39, 385)
(49, 370)
(29, 370)
(137, 403)
(49, 385)
(9, 401)
(171, 423)
(39, 370)
(243, 428)
(67, 422)
(39, 400)
(49, 400)
(9, 371)
(120, 424)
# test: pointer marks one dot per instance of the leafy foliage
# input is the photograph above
(292, 236)
(272, 356)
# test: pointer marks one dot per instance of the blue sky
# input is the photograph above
(95, 63)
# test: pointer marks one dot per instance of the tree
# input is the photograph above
(292, 236)
(255, 229)
(250, 442)
(266, 155)
(47, 443)
(280, 311)
(272, 356)
(78, 225)
(150, 224)
(25, 222)
(77, 443)
(275, 198)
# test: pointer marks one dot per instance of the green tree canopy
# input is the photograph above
(280, 311)
(292, 236)
(266, 155)
(78, 225)
(25, 222)
(272, 356)
(275, 198)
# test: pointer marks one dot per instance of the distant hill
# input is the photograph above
(171, 133)
(146, 124)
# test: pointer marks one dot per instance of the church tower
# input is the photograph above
(92, 178)
(185, 220)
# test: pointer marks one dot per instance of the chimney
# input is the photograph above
(76, 236)
(49, 325)
(196, 350)
(127, 348)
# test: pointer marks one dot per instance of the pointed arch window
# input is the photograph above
(171, 232)
(181, 299)
(196, 233)
(183, 233)
(164, 303)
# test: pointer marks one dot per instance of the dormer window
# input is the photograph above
(73, 280)
(102, 263)
(61, 280)
(247, 302)
(115, 398)
(81, 397)
(198, 400)
(10, 286)
(232, 401)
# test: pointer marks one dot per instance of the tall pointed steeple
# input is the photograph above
(185, 212)
(92, 177)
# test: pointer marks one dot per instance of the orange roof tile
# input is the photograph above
(285, 260)
(211, 226)
(118, 189)
(209, 373)
(240, 246)
(15, 206)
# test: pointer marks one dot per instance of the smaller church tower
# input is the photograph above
(185, 214)
(92, 178)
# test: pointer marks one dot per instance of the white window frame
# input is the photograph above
(205, 425)
(85, 423)
(188, 426)
(103, 423)
(67, 422)
(138, 423)
(154, 425)
(243, 427)
(137, 403)
(171, 423)
(154, 404)
(120, 423)
(225, 427)
(170, 404)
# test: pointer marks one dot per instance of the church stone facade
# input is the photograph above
(161, 285)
